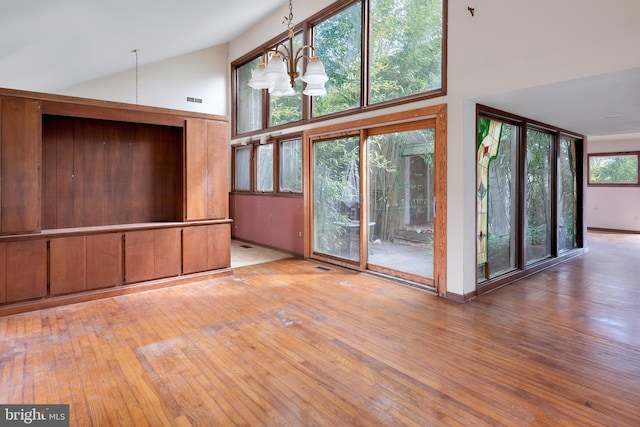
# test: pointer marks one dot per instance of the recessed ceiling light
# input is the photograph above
(611, 116)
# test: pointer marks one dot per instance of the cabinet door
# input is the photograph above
(206, 166)
(196, 170)
(219, 246)
(104, 260)
(195, 251)
(67, 268)
(168, 252)
(20, 158)
(206, 247)
(217, 168)
(152, 254)
(26, 270)
(3, 272)
(139, 264)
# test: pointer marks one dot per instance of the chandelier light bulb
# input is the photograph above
(279, 73)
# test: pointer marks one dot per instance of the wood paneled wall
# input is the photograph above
(100, 172)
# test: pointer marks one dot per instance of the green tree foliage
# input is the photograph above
(337, 41)
(538, 192)
(332, 159)
(405, 48)
(613, 169)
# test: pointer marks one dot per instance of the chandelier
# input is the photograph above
(280, 71)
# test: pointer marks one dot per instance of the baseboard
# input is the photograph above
(60, 300)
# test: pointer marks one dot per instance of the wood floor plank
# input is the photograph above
(286, 343)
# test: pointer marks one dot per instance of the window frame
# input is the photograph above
(234, 150)
(591, 183)
(258, 149)
(281, 142)
(276, 141)
(306, 27)
(522, 268)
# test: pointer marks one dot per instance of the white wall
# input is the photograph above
(202, 74)
(616, 208)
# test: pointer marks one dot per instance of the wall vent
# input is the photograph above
(196, 100)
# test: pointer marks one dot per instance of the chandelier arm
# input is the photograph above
(300, 53)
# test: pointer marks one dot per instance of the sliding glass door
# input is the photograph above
(401, 203)
(337, 198)
(538, 195)
(374, 200)
(496, 197)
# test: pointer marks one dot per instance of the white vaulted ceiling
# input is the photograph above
(47, 45)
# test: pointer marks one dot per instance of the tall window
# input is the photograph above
(538, 195)
(528, 192)
(291, 166)
(242, 164)
(567, 195)
(496, 197)
(265, 167)
(406, 50)
(249, 101)
(338, 42)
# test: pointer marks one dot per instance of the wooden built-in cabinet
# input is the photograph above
(104, 260)
(97, 194)
(3, 273)
(68, 265)
(205, 197)
(152, 254)
(20, 164)
(26, 267)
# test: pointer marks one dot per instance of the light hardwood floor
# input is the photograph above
(287, 343)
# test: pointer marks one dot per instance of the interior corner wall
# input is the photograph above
(203, 74)
(268, 220)
(614, 208)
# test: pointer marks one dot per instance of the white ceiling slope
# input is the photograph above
(47, 45)
(605, 104)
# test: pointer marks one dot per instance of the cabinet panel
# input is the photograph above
(196, 169)
(168, 252)
(206, 178)
(104, 260)
(67, 267)
(139, 256)
(20, 158)
(3, 272)
(217, 168)
(26, 270)
(194, 249)
(219, 242)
